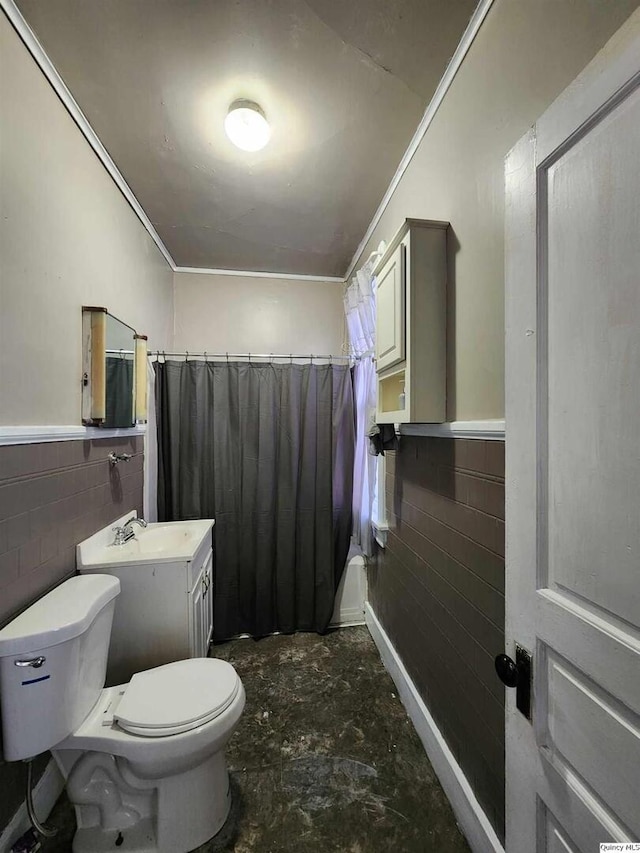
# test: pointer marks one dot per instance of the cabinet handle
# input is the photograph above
(36, 663)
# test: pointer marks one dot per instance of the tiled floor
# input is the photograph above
(325, 759)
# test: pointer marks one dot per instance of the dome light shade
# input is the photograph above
(246, 126)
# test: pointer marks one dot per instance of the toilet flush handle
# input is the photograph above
(34, 662)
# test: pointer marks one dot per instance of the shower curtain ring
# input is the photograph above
(205, 355)
(186, 355)
(312, 358)
(164, 357)
(227, 358)
(249, 358)
(291, 358)
(330, 359)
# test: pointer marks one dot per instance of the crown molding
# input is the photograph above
(256, 274)
(451, 70)
(48, 69)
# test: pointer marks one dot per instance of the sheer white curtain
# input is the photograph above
(360, 310)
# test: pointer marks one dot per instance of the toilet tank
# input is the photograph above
(53, 660)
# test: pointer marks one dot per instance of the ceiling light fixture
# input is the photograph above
(246, 126)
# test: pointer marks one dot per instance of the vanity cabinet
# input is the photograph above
(164, 611)
(411, 282)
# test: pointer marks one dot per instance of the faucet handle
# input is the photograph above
(120, 537)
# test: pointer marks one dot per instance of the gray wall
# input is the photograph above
(438, 590)
(67, 238)
(525, 54)
(53, 495)
(224, 313)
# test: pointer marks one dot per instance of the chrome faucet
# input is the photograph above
(124, 533)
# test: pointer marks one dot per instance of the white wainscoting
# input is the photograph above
(493, 430)
(473, 821)
(39, 434)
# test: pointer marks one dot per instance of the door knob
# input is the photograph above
(517, 674)
(507, 670)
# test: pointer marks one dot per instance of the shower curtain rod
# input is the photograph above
(249, 355)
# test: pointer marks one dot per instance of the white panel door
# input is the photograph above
(390, 311)
(573, 461)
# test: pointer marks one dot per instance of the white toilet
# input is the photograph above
(144, 762)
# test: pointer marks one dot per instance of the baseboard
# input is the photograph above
(473, 821)
(45, 794)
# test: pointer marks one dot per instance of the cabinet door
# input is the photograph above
(207, 610)
(196, 617)
(390, 309)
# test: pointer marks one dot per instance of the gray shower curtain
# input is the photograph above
(118, 392)
(266, 450)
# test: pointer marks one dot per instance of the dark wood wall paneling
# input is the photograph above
(52, 496)
(438, 590)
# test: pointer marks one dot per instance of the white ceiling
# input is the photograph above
(344, 84)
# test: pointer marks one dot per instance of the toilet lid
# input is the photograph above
(177, 697)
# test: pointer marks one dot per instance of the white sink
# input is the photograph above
(161, 542)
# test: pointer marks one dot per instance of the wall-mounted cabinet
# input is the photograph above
(411, 285)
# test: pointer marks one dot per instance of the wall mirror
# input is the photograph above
(114, 371)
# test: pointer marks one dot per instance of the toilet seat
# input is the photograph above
(176, 697)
